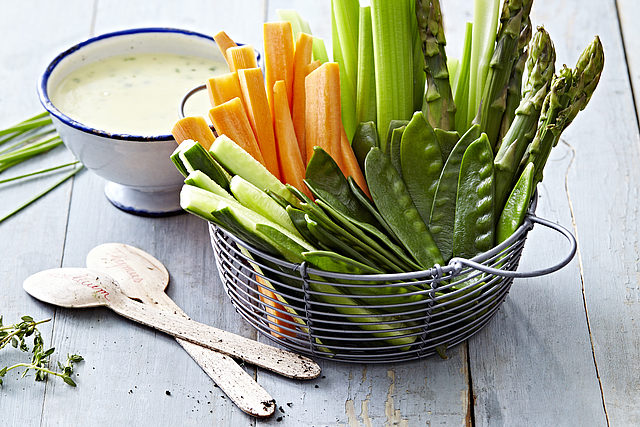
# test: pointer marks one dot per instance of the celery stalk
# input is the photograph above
(366, 81)
(393, 58)
(453, 64)
(461, 88)
(347, 89)
(485, 27)
(300, 25)
(345, 15)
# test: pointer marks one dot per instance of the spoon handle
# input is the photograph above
(241, 388)
(265, 356)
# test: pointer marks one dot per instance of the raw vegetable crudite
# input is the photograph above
(473, 230)
(441, 222)
(369, 181)
(494, 98)
(570, 93)
(439, 108)
(540, 67)
(421, 163)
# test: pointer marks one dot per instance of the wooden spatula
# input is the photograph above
(141, 276)
(82, 287)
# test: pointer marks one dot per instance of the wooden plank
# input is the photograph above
(538, 345)
(32, 240)
(130, 367)
(603, 187)
(427, 392)
(628, 12)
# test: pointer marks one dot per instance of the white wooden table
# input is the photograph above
(563, 350)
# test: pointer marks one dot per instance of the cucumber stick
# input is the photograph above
(202, 203)
(201, 180)
(191, 156)
(257, 200)
(239, 162)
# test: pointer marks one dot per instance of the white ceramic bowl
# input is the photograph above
(141, 178)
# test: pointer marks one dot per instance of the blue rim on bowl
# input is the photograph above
(48, 105)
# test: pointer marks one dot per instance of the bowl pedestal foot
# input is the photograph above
(156, 202)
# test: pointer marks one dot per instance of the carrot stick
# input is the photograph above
(278, 57)
(224, 42)
(223, 88)
(301, 58)
(259, 114)
(230, 119)
(278, 318)
(240, 57)
(350, 166)
(313, 66)
(195, 128)
(322, 109)
(291, 164)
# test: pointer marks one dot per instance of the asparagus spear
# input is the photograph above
(570, 93)
(514, 89)
(539, 67)
(438, 108)
(494, 96)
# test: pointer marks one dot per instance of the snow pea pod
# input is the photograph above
(330, 241)
(447, 139)
(393, 124)
(336, 263)
(365, 138)
(299, 222)
(392, 199)
(517, 204)
(421, 163)
(333, 262)
(394, 147)
(363, 243)
(357, 228)
(326, 181)
(366, 202)
(473, 228)
(444, 201)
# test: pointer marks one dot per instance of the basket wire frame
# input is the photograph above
(413, 315)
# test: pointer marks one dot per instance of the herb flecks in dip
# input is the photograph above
(135, 94)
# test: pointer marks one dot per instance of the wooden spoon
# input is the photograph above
(83, 287)
(143, 277)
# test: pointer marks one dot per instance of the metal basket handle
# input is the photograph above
(458, 263)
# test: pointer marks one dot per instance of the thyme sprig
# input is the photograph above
(17, 335)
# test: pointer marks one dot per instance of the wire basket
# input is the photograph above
(372, 318)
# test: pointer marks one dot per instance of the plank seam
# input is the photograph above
(581, 269)
(55, 309)
(471, 415)
(626, 63)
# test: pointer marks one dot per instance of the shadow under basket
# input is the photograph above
(372, 318)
